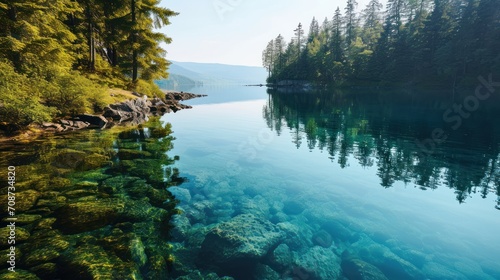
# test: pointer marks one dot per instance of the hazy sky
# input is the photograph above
(236, 31)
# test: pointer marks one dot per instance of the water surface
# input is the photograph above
(353, 165)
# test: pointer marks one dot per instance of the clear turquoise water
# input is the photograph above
(351, 162)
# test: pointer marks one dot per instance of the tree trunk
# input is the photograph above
(134, 41)
(90, 41)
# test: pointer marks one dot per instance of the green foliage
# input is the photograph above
(19, 105)
(148, 88)
(75, 94)
(61, 54)
(447, 44)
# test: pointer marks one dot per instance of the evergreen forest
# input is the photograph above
(431, 44)
(59, 58)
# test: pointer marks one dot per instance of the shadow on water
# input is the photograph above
(93, 204)
(421, 138)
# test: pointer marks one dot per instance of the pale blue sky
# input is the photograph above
(236, 31)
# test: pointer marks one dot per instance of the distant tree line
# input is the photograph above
(56, 57)
(445, 43)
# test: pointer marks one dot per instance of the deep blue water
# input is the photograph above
(345, 166)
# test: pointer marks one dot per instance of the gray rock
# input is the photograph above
(257, 206)
(292, 207)
(263, 271)
(94, 121)
(181, 227)
(322, 238)
(244, 237)
(434, 270)
(386, 260)
(133, 111)
(319, 263)
(181, 194)
(281, 257)
(361, 270)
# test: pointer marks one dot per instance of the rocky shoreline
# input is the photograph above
(135, 111)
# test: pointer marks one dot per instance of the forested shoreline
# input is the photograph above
(59, 58)
(434, 44)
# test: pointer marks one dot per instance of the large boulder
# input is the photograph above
(318, 263)
(88, 215)
(94, 121)
(134, 111)
(357, 269)
(243, 238)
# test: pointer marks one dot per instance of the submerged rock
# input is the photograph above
(322, 238)
(361, 270)
(384, 259)
(88, 215)
(244, 237)
(93, 262)
(18, 275)
(319, 263)
(281, 257)
(438, 271)
(181, 194)
(21, 235)
(25, 200)
(292, 207)
(263, 271)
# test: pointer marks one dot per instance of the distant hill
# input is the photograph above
(189, 74)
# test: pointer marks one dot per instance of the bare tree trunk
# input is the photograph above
(134, 41)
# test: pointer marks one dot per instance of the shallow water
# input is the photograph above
(327, 185)
(350, 163)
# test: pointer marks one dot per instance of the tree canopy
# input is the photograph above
(56, 57)
(439, 43)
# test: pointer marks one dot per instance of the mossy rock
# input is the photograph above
(78, 193)
(21, 235)
(53, 184)
(129, 154)
(94, 161)
(45, 223)
(95, 175)
(25, 200)
(19, 275)
(117, 184)
(40, 256)
(4, 258)
(93, 262)
(88, 215)
(140, 189)
(157, 268)
(53, 203)
(24, 219)
(56, 241)
(149, 169)
(69, 159)
(46, 270)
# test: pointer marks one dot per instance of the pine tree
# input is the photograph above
(313, 30)
(279, 50)
(34, 38)
(372, 25)
(336, 55)
(268, 58)
(147, 59)
(350, 21)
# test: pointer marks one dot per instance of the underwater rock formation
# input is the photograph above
(244, 237)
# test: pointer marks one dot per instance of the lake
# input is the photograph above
(337, 184)
(347, 168)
